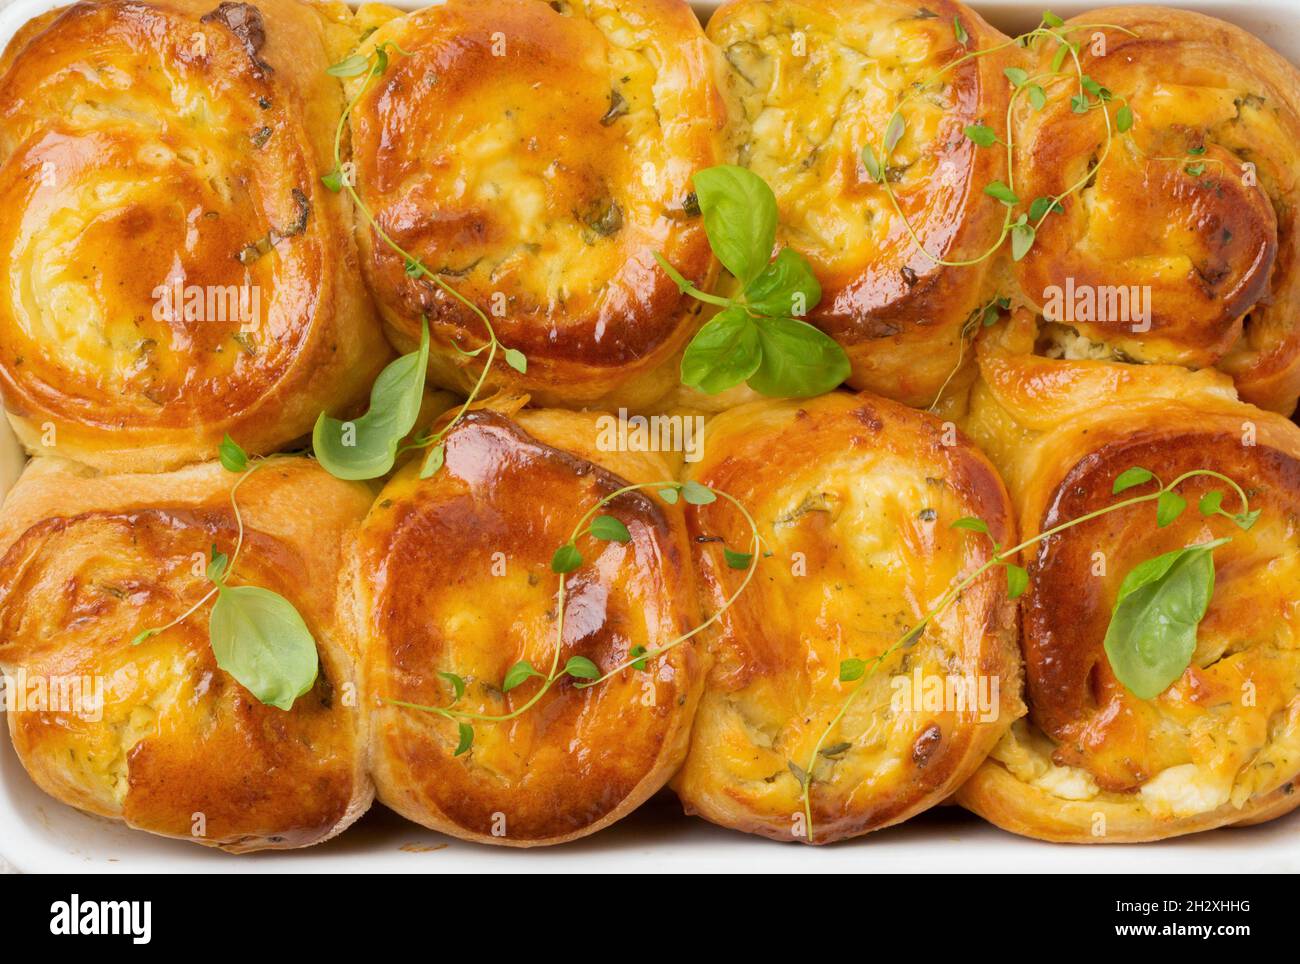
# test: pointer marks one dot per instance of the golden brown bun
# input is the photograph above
(143, 147)
(536, 155)
(1222, 743)
(1216, 248)
(453, 576)
(91, 561)
(854, 498)
(810, 84)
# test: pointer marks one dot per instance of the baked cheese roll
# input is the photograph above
(171, 267)
(810, 84)
(854, 498)
(1094, 762)
(535, 156)
(154, 733)
(1182, 247)
(454, 588)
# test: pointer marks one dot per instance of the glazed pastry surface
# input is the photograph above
(1188, 229)
(176, 746)
(535, 155)
(1094, 763)
(171, 267)
(809, 85)
(854, 498)
(453, 575)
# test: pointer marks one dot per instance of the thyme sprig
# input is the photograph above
(1021, 228)
(372, 66)
(1169, 506)
(566, 559)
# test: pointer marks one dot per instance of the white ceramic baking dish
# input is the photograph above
(39, 834)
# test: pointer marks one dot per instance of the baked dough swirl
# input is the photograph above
(1094, 763)
(174, 745)
(453, 575)
(810, 84)
(171, 267)
(535, 155)
(854, 498)
(1182, 249)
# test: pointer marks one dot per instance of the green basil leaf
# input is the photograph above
(786, 284)
(610, 529)
(581, 668)
(723, 353)
(1152, 631)
(852, 669)
(466, 738)
(737, 560)
(517, 674)
(1169, 507)
(739, 218)
(233, 458)
(1130, 478)
(1017, 581)
(394, 406)
(261, 640)
(697, 494)
(982, 136)
(971, 524)
(457, 684)
(798, 360)
(566, 558)
(1124, 119)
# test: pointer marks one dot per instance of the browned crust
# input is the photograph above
(156, 393)
(579, 759)
(617, 319)
(762, 445)
(91, 561)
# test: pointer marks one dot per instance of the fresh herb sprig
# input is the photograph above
(1021, 228)
(758, 336)
(567, 558)
(1152, 632)
(257, 636)
(366, 448)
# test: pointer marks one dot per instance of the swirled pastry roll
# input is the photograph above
(854, 497)
(535, 155)
(453, 576)
(154, 733)
(810, 84)
(1094, 763)
(171, 267)
(1182, 247)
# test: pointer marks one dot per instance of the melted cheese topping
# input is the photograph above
(854, 509)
